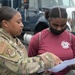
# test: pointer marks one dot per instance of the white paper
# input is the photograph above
(62, 66)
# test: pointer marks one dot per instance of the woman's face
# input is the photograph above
(15, 25)
(58, 25)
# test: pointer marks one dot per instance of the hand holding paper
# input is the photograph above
(62, 66)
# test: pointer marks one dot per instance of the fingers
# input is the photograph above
(56, 59)
(46, 72)
(72, 66)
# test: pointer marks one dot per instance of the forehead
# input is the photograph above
(58, 20)
(17, 16)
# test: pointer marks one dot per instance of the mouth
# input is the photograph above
(21, 30)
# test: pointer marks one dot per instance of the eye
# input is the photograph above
(55, 25)
(64, 25)
(19, 21)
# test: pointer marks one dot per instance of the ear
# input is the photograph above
(5, 23)
(49, 19)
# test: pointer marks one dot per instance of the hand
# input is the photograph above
(72, 67)
(46, 72)
(56, 59)
(50, 60)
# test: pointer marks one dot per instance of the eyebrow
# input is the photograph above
(58, 25)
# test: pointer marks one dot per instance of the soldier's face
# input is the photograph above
(15, 25)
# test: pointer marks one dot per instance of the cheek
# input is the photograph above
(52, 26)
(15, 26)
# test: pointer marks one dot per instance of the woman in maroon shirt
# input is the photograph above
(55, 39)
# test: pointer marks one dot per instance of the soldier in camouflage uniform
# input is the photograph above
(13, 56)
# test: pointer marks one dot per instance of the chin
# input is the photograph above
(18, 34)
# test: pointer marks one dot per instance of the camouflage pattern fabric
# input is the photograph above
(14, 59)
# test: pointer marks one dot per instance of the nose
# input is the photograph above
(22, 25)
(59, 28)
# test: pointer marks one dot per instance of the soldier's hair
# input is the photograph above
(7, 13)
(58, 12)
(47, 14)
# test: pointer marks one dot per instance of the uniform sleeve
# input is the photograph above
(11, 59)
(33, 46)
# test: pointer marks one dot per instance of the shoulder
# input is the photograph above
(46, 32)
(3, 46)
(70, 35)
(7, 51)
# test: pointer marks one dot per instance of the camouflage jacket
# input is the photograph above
(14, 59)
